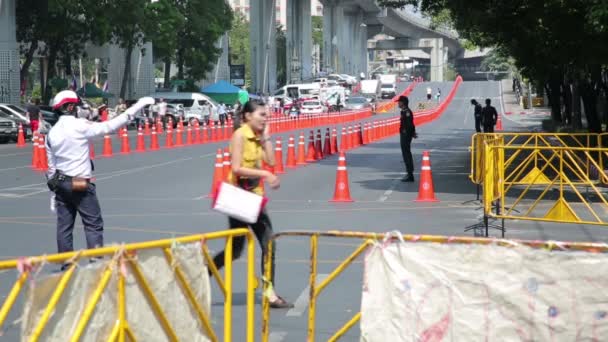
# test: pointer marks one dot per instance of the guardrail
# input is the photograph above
(176, 275)
(368, 239)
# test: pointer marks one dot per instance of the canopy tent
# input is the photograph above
(90, 91)
(222, 91)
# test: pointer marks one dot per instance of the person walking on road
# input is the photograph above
(407, 132)
(249, 146)
(478, 110)
(489, 116)
(33, 112)
(429, 93)
(70, 169)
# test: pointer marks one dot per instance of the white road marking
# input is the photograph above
(277, 336)
(301, 303)
(388, 192)
(104, 176)
(15, 168)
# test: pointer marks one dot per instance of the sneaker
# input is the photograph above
(281, 303)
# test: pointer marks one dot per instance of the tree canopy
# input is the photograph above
(552, 42)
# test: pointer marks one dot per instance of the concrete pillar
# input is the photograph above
(299, 40)
(263, 45)
(9, 54)
(221, 70)
(333, 35)
(438, 59)
(142, 72)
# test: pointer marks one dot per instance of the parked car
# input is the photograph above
(9, 127)
(16, 111)
(312, 107)
(357, 102)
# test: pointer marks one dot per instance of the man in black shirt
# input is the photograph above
(489, 115)
(478, 110)
(407, 132)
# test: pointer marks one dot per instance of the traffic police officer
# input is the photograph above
(477, 113)
(407, 132)
(70, 168)
(489, 115)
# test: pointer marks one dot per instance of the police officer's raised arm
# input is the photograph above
(95, 129)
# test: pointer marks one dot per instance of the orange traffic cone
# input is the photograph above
(125, 148)
(43, 163)
(205, 138)
(318, 148)
(334, 141)
(301, 151)
(343, 141)
(154, 141)
(499, 123)
(20, 137)
(327, 145)
(92, 151)
(213, 131)
(350, 138)
(227, 164)
(159, 126)
(147, 128)
(278, 157)
(218, 174)
(35, 151)
(197, 132)
(291, 153)
(169, 137)
(426, 190)
(179, 141)
(141, 145)
(107, 146)
(342, 191)
(311, 156)
(189, 134)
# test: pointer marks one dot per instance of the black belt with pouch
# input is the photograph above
(77, 184)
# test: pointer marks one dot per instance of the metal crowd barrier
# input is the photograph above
(520, 177)
(367, 239)
(123, 261)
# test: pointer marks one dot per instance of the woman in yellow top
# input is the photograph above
(250, 144)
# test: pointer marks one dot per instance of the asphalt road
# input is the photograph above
(161, 195)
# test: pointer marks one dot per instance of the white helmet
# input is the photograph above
(65, 97)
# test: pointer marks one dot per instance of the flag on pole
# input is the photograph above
(105, 86)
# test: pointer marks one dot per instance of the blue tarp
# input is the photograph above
(221, 87)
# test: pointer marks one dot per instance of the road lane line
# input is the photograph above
(388, 192)
(301, 304)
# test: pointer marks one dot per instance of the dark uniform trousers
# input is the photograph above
(85, 203)
(406, 152)
(488, 128)
(478, 123)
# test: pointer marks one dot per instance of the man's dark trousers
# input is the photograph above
(406, 143)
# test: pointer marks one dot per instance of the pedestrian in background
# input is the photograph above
(489, 116)
(407, 132)
(33, 113)
(477, 112)
(249, 146)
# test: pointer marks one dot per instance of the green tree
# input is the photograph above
(167, 22)
(205, 22)
(240, 52)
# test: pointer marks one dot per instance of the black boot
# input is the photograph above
(408, 179)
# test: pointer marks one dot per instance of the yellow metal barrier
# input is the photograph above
(540, 140)
(124, 257)
(367, 240)
(524, 179)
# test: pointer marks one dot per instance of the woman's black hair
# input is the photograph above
(249, 107)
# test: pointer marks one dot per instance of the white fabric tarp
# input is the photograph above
(417, 291)
(139, 314)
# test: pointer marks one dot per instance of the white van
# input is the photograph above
(195, 105)
(296, 91)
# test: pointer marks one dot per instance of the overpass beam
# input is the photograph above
(263, 45)
(333, 16)
(9, 54)
(299, 40)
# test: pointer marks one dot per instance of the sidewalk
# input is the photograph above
(513, 112)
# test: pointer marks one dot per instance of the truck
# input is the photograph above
(388, 85)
